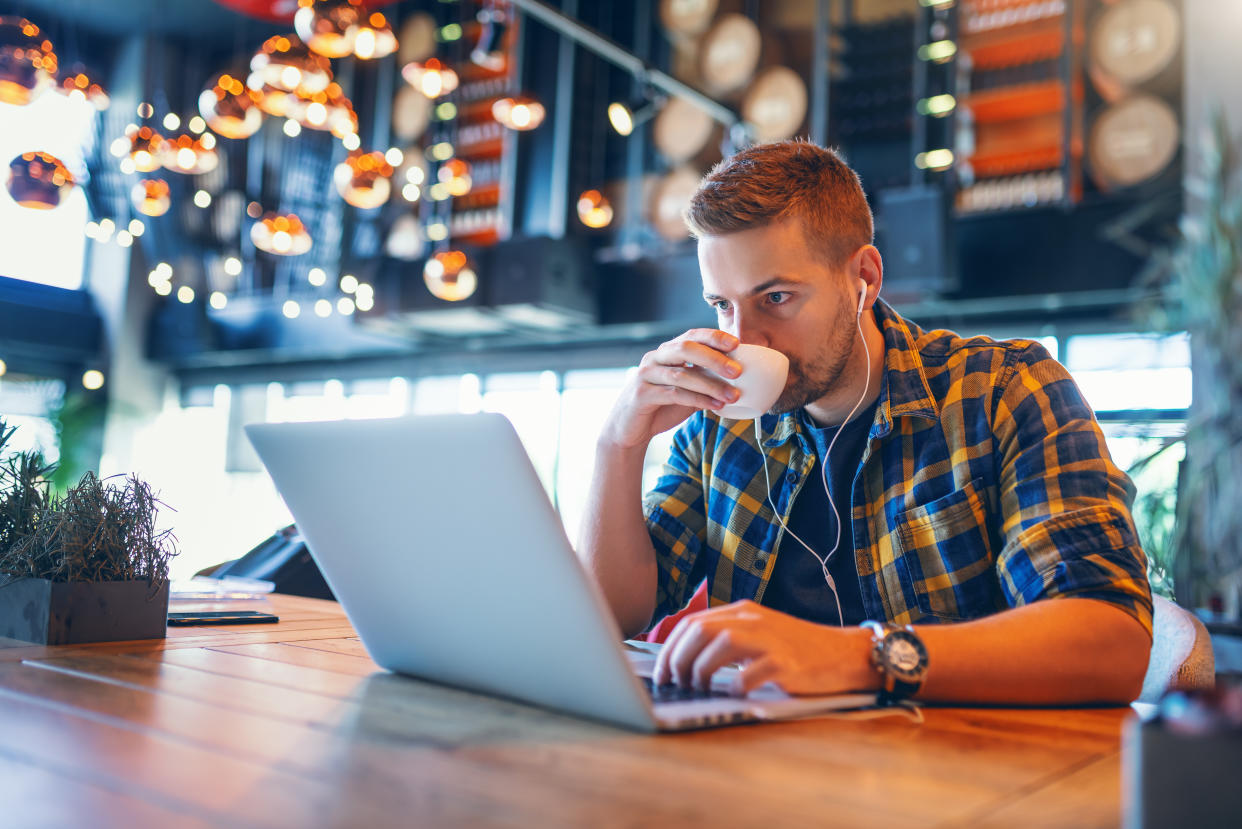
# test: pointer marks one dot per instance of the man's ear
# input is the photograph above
(869, 267)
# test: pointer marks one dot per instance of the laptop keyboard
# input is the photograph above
(672, 692)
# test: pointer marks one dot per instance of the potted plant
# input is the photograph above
(85, 566)
(1202, 294)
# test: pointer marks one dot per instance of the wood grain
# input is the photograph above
(295, 725)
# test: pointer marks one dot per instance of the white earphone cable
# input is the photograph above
(823, 470)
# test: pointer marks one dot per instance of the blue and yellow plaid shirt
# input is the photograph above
(985, 484)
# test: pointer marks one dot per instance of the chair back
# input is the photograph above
(1181, 653)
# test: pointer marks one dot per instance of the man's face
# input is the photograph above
(770, 288)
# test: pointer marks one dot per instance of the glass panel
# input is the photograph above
(54, 124)
(585, 403)
(29, 403)
(532, 404)
(1131, 371)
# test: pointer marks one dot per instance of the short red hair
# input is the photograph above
(786, 179)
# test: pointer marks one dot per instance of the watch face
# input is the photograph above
(905, 655)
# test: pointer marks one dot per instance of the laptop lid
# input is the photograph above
(437, 537)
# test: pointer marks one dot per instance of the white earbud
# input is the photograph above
(823, 467)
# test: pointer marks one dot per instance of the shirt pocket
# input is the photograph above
(948, 556)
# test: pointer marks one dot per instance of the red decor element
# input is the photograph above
(665, 626)
(278, 11)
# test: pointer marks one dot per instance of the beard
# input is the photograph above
(817, 374)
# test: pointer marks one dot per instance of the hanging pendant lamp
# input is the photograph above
(328, 27)
(363, 179)
(38, 180)
(27, 61)
(230, 108)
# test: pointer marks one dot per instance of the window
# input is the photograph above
(54, 124)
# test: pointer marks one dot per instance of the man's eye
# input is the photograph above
(721, 305)
(778, 297)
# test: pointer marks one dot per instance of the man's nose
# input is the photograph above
(748, 331)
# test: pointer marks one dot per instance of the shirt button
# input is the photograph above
(792, 477)
(761, 562)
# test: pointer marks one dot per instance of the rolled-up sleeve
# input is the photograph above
(676, 520)
(1067, 524)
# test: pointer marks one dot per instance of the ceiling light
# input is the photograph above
(624, 117)
(202, 199)
(136, 227)
(518, 113)
(146, 148)
(151, 197)
(938, 51)
(362, 179)
(345, 306)
(375, 38)
(281, 234)
(936, 106)
(454, 174)
(93, 380)
(232, 266)
(218, 300)
(77, 85)
(230, 107)
(38, 180)
(316, 277)
(291, 309)
(594, 209)
(934, 160)
(27, 61)
(328, 27)
(431, 77)
(185, 294)
(190, 155)
(349, 283)
(171, 121)
(285, 63)
(449, 277)
(323, 308)
(327, 110)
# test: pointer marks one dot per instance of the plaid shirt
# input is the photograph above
(985, 484)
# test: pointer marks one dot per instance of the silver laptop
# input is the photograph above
(438, 539)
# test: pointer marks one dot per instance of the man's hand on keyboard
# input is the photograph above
(799, 656)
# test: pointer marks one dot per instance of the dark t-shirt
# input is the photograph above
(797, 586)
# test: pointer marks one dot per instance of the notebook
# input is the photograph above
(439, 541)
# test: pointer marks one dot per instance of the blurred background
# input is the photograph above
(228, 211)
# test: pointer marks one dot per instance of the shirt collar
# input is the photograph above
(906, 392)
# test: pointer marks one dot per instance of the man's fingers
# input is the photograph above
(690, 379)
(682, 352)
(754, 674)
(725, 648)
(677, 656)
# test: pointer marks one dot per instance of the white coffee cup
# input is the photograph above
(761, 382)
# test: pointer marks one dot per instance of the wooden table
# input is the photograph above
(292, 725)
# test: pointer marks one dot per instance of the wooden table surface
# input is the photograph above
(292, 725)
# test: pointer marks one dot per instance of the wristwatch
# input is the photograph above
(900, 656)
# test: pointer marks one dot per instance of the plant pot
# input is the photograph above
(70, 613)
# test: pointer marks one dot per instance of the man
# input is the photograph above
(976, 496)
